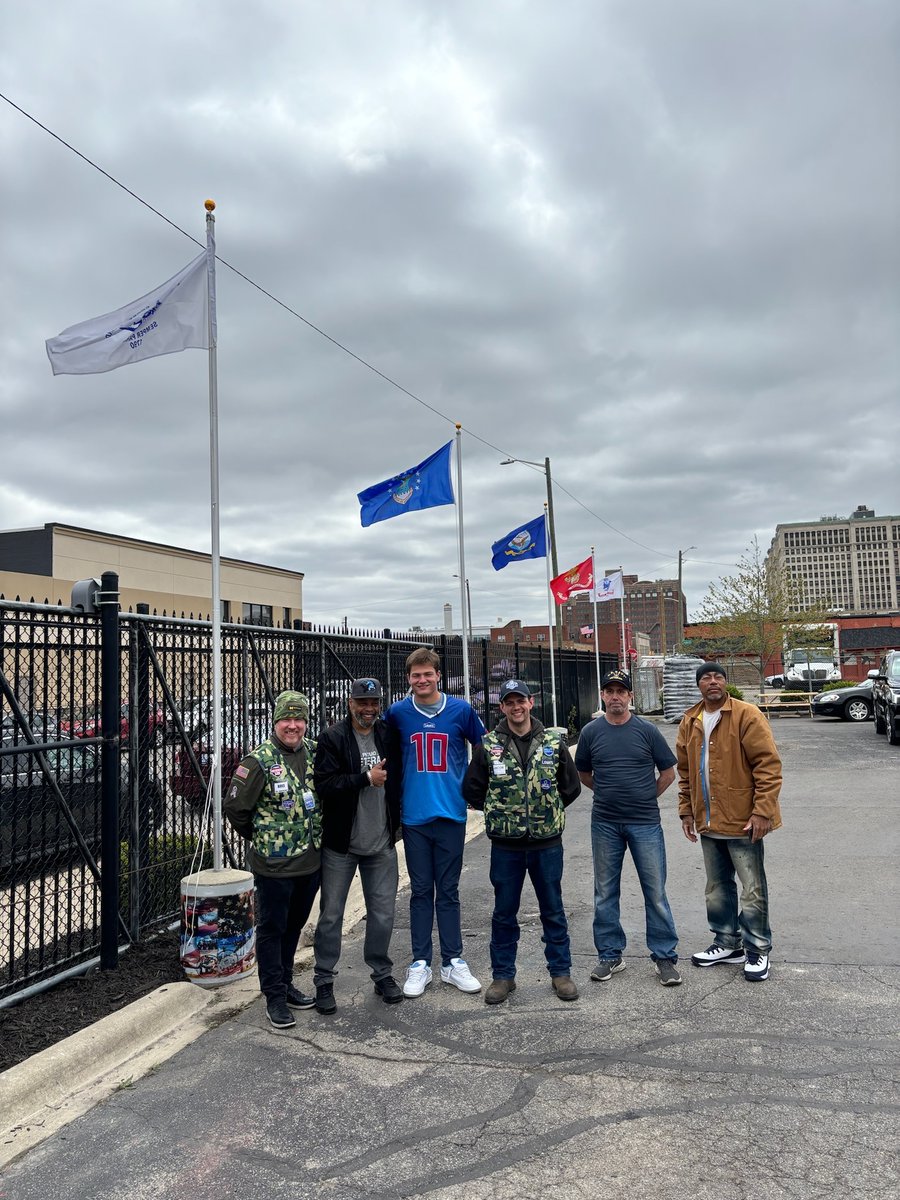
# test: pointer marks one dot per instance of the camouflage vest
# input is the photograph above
(282, 824)
(525, 803)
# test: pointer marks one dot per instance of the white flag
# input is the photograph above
(171, 317)
(611, 588)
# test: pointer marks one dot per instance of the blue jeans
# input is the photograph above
(733, 928)
(282, 909)
(434, 854)
(508, 871)
(609, 840)
(378, 876)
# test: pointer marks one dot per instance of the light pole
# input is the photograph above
(545, 467)
(680, 645)
(468, 604)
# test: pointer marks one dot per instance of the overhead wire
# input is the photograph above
(317, 329)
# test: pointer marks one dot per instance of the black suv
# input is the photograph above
(886, 696)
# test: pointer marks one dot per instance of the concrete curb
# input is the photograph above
(45, 1092)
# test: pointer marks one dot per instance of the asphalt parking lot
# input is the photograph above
(717, 1088)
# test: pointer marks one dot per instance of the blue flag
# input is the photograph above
(425, 486)
(525, 541)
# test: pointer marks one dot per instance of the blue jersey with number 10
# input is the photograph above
(434, 757)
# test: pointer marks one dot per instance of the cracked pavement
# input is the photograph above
(718, 1088)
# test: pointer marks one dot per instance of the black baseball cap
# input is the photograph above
(514, 687)
(365, 689)
(620, 677)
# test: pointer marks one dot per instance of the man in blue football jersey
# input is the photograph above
(432, 730)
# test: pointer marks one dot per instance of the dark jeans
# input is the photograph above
(434, 854)
(609, 841)
(732, 928)
(378, 876)
(508, 870)
(282, 909)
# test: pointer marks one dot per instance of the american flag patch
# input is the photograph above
(242, 772)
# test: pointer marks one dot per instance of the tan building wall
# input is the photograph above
(167, 578)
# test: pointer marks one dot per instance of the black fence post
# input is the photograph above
(110, 725)
(142, 814)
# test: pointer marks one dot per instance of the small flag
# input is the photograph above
(579, 579)
(586, 630)
(168, 319)
(525, 541)
(611, 588)
(425, 486)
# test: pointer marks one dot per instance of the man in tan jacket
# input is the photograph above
(729, 780)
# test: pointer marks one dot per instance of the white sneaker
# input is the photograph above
(418, 977)
(460, 976)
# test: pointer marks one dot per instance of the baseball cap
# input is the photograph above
(514, 687)
(620, 677)
(366, 689)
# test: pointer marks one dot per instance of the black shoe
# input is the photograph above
(298, 999)
(389, 990)
(280, 1016)
(324, 1000)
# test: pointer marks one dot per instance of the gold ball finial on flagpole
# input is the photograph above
(209, 205)
(458, 426)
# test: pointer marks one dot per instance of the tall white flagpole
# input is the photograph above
(551, 615)
(622, 618)
(596, 626)
(214, 531)
(462, 565)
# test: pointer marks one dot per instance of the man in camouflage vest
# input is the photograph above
(272, 802)
(523, 777)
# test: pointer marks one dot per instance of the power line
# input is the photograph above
(311, 325)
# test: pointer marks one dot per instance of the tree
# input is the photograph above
(761, 607)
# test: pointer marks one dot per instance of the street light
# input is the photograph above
(468, 604)
(545, 467)
(680, 646)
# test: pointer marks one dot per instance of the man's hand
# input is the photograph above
(758, 827)
(378, 774)
(689, 829)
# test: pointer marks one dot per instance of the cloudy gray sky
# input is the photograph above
(655, 241)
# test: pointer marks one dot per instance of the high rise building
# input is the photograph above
(845, 564)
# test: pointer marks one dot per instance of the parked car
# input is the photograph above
(35, 836)
(88, 725)
(849, 703)
(886, 696)
(235, 744)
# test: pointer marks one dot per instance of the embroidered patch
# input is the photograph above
(242, 772)
(548, 752)
(496, 751)
(282, 788)
(276, 772)
(546, 785)
(232, 795)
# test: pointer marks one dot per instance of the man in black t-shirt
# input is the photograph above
(627, 762)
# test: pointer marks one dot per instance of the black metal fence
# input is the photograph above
(157, 732)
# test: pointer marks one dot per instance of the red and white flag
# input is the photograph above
(578, 579)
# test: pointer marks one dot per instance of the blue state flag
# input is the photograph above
(425, 486)
(525, 541)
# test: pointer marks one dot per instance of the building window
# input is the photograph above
(501, 637)
(257, 614)
(286, 618)
(542, 637)
(225, 610)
